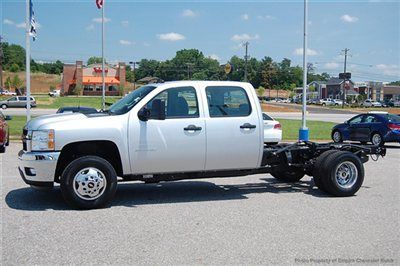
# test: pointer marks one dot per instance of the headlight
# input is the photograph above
(42, 140)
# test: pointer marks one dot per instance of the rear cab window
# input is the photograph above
(227, 101)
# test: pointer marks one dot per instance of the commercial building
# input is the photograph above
(87, 80)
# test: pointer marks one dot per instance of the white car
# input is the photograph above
(8, 93)
(272, 130)
(337, 102)
(371, 103)
(326, 102)
(55, 93)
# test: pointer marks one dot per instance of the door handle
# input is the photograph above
(192, 128)
(247, 125)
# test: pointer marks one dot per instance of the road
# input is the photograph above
(242, 220)
(315, 109)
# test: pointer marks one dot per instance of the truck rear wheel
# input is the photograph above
(342, 174)
(88, 182)
(317, 169)
(288, 174)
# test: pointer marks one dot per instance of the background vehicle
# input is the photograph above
(78, 109)
(337, 102)
(17, 101)
(172, 131)
(272, 130)
(371, 103)
(8, 93)
(326, 102)
(375, 127)
(4, 132)
(55, 93)
(312, 101)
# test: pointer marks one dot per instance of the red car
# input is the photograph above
(4, 132)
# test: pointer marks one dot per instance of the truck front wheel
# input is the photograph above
(88, 182)
(342, 174)
(288, 174)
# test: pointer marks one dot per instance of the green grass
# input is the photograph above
(318, 130)
(55, 103)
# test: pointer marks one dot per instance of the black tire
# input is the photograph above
(330, 168)
(4, 106)
(8, 140)
(271, 143)
(3, 148)
(374, 135)
(337, 140)
(289, 174)
(317, 173)
(324, 104)
(363, 142)
(70, 193)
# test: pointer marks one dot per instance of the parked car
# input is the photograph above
(17, 101)
(312, 101)
(8, 93)
(326, 102)
(375, 127)
(55, 93)
(371, 103)
(272, 130)
(4, 132)
(337, 102)
(77, 109)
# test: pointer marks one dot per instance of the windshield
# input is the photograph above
(129, 101)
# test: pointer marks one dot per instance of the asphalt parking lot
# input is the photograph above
(241, 220)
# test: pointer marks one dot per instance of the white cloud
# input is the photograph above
(146, 44)
(391, 70)
(20, 25)
(125, 23)
(171, 37)
(245, 17)
(125, 42)
(266, 17)
(310, 52)
(244, 37)
(214, 56)
(98, 20)
(348, 18)
(8, 22)
(331, 65)
(188, 13)
(90, 27)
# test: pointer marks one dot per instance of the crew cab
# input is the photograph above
(172, 131)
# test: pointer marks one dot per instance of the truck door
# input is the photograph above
(176, 144)
(234, 136)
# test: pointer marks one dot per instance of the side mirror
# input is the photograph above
(7, 117)
(158, 109)
(144, 114)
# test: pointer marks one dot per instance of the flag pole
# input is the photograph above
(102, 56)
(303, 132)
(28, 62)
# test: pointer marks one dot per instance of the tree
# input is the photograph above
(14, 56)
(16, 82)
(260, 91)
(14, 68)
(268, 72)
(396, 83)
(8, 83)
(94, 60)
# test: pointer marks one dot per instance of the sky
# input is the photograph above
(71, 30)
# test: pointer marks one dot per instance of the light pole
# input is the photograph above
(134, 74)
(304, 132)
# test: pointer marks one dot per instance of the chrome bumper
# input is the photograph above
(38, 168)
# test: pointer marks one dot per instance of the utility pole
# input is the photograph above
(303, 131)
(344, 71)
(188, 65)
(134, 73)
(1, 62)
(246, 57)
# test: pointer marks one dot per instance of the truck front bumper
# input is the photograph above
(38, 168)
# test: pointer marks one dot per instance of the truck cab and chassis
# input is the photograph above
(174, 131)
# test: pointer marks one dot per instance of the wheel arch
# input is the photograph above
(105, 149)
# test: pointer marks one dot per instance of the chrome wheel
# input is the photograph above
(336, 136)
(376, 139)
(89, 183)
(346, 174)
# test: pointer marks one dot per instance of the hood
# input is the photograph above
(39, 122)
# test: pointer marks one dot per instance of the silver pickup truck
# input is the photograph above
(173, 131)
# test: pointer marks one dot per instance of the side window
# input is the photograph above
(179, 102)
(227, 101)
(22, 98)
(356, 120)
(13, 99)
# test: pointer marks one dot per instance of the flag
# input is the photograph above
(99, 4)
(32, 29)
